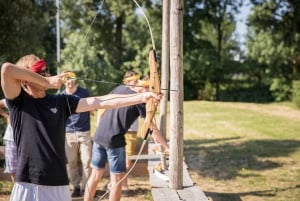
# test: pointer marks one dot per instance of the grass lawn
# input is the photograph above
(243, 151)
(236, 152)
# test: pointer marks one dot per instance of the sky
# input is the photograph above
(241, 28)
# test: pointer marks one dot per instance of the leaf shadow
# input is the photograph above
(224, 158)
(217, 196)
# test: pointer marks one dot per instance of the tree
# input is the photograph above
(27, 27)
(116, 41)
(209, 47)
(273, 42)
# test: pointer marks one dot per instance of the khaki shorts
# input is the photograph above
(131, 142)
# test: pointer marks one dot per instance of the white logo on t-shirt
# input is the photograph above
(53, 110)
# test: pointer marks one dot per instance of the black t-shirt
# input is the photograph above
(115, 122)
(39, 133)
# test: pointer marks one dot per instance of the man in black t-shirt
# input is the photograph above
(109, 144)
(38, 120)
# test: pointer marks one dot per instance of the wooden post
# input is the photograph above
(165, 65)
(176, 97)
(165, 73)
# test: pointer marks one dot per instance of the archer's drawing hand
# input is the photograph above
(56, 81)
(148, 95)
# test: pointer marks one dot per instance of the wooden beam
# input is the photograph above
(164, 194)
(176, 97)
(155, 157)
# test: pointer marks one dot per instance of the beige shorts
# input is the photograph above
(131, 142)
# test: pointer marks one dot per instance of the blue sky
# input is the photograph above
(241, 18)
(241, 28)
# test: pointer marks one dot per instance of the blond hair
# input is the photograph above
(27, 61)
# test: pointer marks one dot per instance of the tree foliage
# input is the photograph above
(274, 43)
(209, 48)
(102, 39)
(27, 27)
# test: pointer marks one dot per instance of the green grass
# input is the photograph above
(224, 119)
(242, 151)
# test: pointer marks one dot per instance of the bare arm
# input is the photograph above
(12, 75)
(158, 138)
(111, 101)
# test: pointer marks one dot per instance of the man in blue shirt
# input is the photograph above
(78, 139)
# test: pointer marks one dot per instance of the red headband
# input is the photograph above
(38, 65)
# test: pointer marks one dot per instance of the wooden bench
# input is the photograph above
(160, 186)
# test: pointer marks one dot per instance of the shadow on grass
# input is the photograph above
(224, 158)
(216, 196)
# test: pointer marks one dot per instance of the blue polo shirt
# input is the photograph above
(78, 122)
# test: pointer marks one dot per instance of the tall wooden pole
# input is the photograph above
(165, 65)
(165, 72)
(176, 97)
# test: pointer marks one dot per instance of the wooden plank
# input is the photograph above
(154, 157)
(155, 181)
(160, 187)
(188, 194)
(164, 194)
(193, 193)
(187, 181)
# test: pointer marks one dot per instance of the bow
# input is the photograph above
(154, 86)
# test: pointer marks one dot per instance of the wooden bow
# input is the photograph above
(154, 86)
